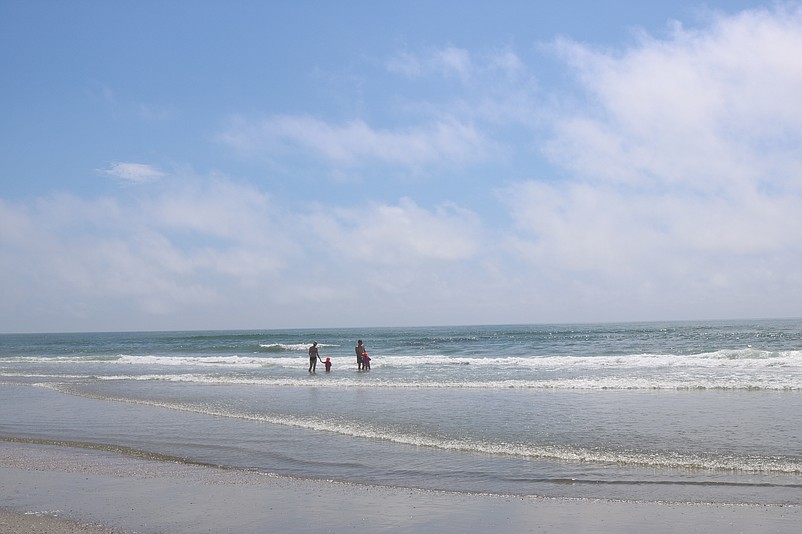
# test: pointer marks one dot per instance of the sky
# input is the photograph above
(255, 165)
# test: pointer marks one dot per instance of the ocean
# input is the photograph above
(707, 412)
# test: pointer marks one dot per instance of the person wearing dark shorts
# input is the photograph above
(360, 350)
(314, 356)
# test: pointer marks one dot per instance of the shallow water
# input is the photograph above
(701, 412)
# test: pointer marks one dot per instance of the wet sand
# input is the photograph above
(66, 490)
(30, 523)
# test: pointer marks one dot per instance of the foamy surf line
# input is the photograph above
(669, 460)
(781, 383)
(745, 359)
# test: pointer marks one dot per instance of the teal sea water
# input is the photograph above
(687, 412)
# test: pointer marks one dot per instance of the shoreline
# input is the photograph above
(62, 490)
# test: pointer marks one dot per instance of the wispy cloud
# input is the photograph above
(133, 173)
(356, 143)
(453, 128)
(447, 62)
(457, 63)
(402, 234)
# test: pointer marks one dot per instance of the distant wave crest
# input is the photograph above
(288, 347)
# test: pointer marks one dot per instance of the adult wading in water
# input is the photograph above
(314, 356)
(360, 351)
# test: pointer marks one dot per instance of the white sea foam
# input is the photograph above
(586, 383)
(290, 347)
(746, 358)
(200, 361)
(746, 369)
(534, 451)
(730, 359)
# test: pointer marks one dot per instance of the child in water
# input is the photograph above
(327, 363)
(365, 361)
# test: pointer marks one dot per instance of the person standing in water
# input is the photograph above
(360, 351)
(314, 356)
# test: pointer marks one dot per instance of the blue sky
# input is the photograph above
(194, 165)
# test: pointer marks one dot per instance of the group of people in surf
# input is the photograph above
(362, 358)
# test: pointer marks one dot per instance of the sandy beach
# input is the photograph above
(63, 489)
(32, 523)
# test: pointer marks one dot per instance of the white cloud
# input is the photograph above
(451, 129)
(508, 63)
(686, 173)
(358, 144)
(455, 61)
(208, 251)
(458, 63)
(403, 234)
(199, 245)
(705, 109)
(491, 90)
(133, 173)
(447, 62)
